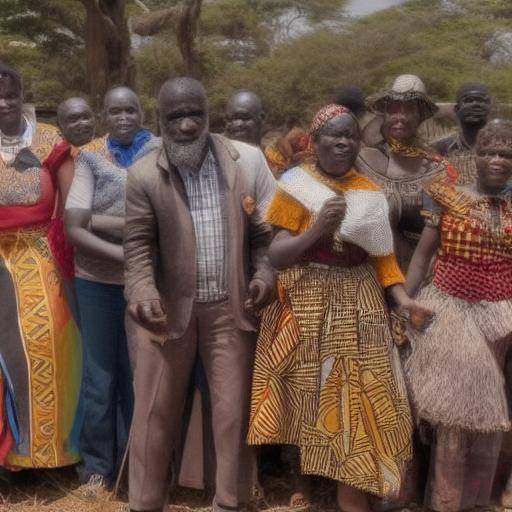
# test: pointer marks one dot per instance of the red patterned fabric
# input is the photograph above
(59, 154)
(475, 257)
(323, 252)
(6, 439)
(62, 250)
(474, 281)
(14, 217)
(324, 115)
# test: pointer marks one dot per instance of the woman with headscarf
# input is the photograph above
(455, 367)
(327, 375)
(40, 350)
(398, 161)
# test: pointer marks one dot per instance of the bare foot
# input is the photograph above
(351, 499)
(506, 499)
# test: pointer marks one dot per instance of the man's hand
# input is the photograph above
(259, 295)
(149, 314)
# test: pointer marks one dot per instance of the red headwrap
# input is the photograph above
(324, 115)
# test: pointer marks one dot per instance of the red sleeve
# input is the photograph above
(57, 157)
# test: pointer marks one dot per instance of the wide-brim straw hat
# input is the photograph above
(405, 88)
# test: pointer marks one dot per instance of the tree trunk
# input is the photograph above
(108, 47)
(183, 18)
(187, 31)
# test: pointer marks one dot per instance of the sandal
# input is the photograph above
(299, 501)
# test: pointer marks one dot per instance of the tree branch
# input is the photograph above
(187, 30)
(156, 21)
(142, 5)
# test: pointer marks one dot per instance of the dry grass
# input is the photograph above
(56, 491)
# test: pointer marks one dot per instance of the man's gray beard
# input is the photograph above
(186, 157)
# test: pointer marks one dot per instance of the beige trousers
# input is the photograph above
(162, 377)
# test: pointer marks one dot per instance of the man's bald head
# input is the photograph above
(473, 104)
(183, 111)
(121, 92)
(182, 88)
(123, 114)
(244, 117)
(246, 99)
(75, 119)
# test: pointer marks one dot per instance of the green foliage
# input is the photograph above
(444, 49)
(43, 40)
(55, 25)
(237, 48)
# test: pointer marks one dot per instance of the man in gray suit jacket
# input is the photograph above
(196, 268)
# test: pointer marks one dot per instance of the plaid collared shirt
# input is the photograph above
(205, 201)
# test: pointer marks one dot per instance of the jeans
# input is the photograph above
(107, 387)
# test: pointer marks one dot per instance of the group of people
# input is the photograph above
(344, 292)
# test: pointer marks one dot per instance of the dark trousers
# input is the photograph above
(107, 387)
(162, 377)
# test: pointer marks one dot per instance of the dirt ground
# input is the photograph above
(55, 491)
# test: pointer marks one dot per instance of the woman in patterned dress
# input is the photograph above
(327, 375)
(455, 367)
(40, 349)
(398, 161)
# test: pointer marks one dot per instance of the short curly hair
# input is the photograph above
(495, 134)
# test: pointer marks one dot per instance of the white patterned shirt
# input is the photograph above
(205, 201)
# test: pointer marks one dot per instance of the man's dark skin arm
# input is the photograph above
(420, 262)
(107, 225)
(77, 221)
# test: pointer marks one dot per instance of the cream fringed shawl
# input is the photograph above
(303, 191)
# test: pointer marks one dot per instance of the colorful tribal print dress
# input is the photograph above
(455, 367)
(456, 381)
(327, 374)
(40, 348)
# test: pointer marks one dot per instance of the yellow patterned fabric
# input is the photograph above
(473, 227)
(276, 160)
(51, 351)
(24, 188)
(45, 139)
(327, 378)
(403, 149)
(40, 341)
